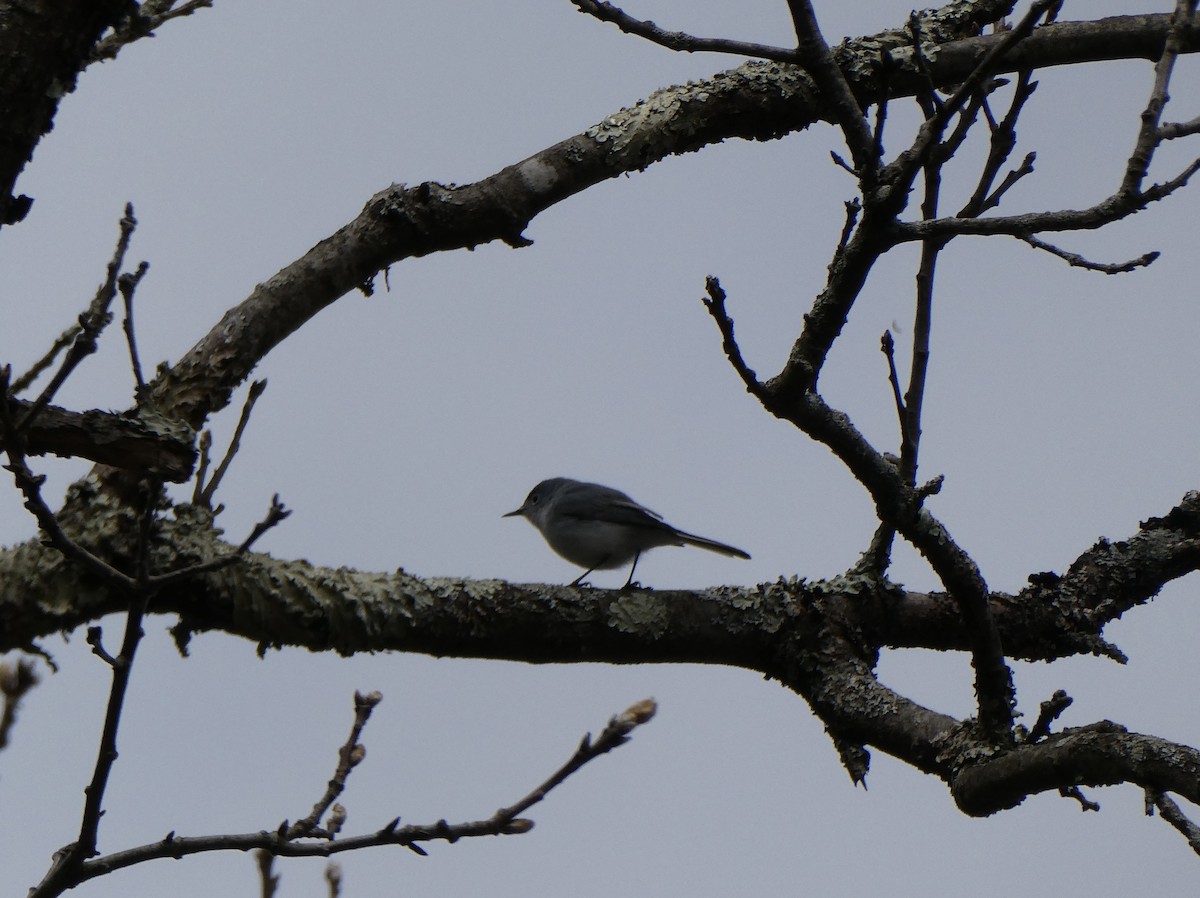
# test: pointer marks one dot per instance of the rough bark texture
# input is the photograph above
(44, 45)
(821, 639)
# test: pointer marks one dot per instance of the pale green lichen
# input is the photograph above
(639, 129)
(639, 613)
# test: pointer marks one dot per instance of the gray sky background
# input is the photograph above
(1061, 408)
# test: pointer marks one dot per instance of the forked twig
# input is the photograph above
(349, 756)
(91, 322)
(505, 821)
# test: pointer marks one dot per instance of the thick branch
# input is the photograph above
(44, 45)
(757, 101)
(146, 444)
(1102, 754)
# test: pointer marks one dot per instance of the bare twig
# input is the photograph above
(69, 861)
(1051, 710)
(275, 514)
(677, 40)
(715, 303)
(91, 322)
(503, 822)
(1149, 137)
(22, 383)
(210, 489)
(1025, 168)
(349, 756)
(1077, 261)
(95, 638)
(614, 735)
(1085, 803)
(1130, 196)
(1170, 811)
(1175, 130)
(914, 397)
(813, 53)
(267, 877)
(1003, 142)
(127, 284)
(888, 347)
(901, 172)
(853, 208)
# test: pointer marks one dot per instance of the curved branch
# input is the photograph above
(1103, 754)
(756, 101)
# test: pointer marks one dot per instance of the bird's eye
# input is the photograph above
(534, 498)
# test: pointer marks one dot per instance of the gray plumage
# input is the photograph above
(599, 528)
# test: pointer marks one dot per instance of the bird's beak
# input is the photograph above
(520, 511)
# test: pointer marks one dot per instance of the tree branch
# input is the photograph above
(503, 822)
(1102, 754)
(678, 40)
(757, 101)
(143, 443)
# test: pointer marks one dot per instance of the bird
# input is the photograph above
(600, 528)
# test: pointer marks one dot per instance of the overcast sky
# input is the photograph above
(1061, 408)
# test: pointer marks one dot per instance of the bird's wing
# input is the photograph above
(613, 506)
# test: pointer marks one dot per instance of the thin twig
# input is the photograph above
(206, 495)
(888, 347)
(349, 756)
(1003, 142)
(1175, 130)
(22, 383)
(678, 40)
(901, 172)
(95, 638)
(853, 208)
(67, 869)
(914, 397)
(1085, 803)
(91, 322)
(1077, 261)
(715, 303)
(614, 735)
(1170, 811)
(268, 879)
(1051, 710)
(1025, 168)
(275, 514)
(127, 284)
(1149, 137)
(503, 822)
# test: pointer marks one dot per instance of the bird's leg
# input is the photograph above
(579, 579)
(629, 582)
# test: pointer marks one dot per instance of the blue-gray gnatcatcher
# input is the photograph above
(600, 528)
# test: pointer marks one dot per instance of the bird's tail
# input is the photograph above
(712, 545)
